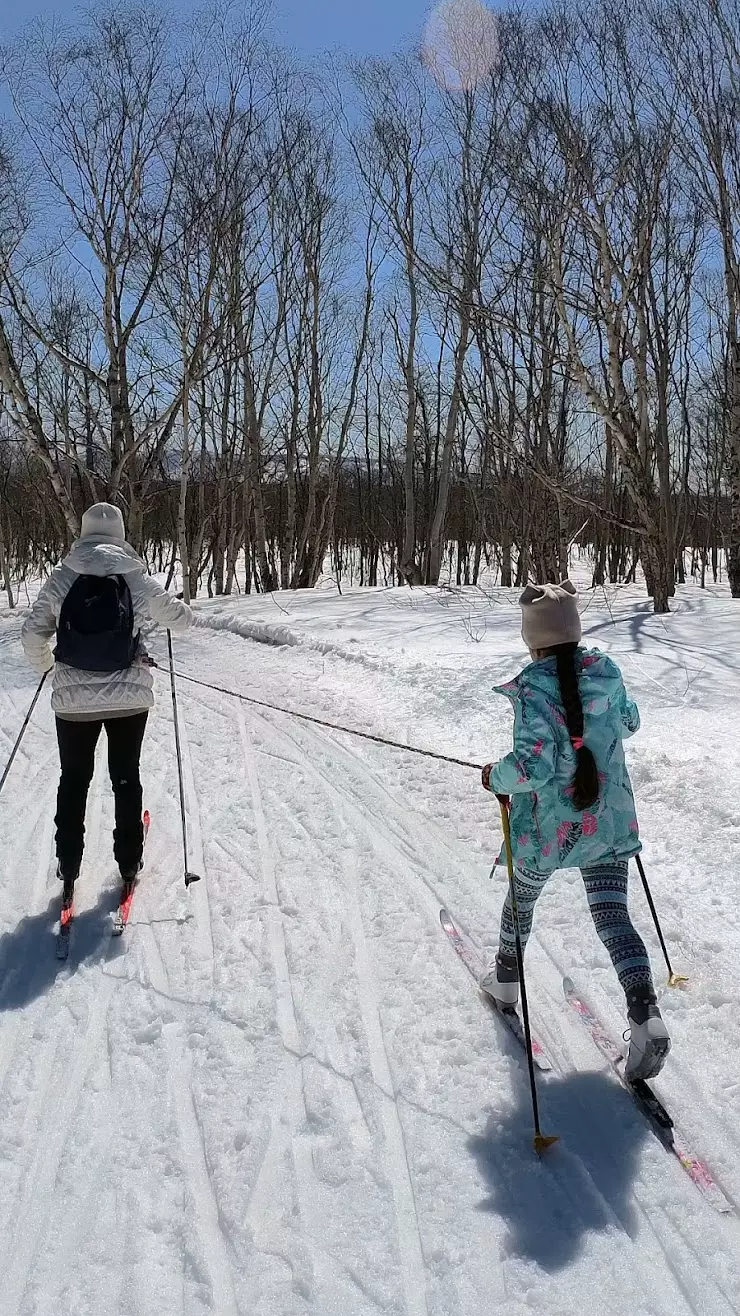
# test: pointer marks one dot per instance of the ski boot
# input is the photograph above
(501, 981)
(130, 877)
(67, 876)
(649, 1040)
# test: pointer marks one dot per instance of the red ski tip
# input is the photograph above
(147, 818)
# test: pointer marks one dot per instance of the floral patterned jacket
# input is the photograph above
(547, 832)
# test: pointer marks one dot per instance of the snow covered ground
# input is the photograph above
(280, 1094)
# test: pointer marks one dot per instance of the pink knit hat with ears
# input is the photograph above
(550, 615)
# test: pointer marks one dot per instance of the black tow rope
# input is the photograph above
(331, 726)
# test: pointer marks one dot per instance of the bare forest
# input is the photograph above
(398, 320)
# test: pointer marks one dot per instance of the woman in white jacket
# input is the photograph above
(116, 691)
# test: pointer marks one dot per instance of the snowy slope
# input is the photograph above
(280, 1094)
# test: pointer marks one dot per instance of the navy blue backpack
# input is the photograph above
(96, 625)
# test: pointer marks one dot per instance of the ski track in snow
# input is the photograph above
(318, 1101)
(285, 1005)
(347, 906)
(397, 1168)
(198, 891)
(36, 1203)
(205, 1205)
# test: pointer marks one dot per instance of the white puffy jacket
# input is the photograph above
(75, 692)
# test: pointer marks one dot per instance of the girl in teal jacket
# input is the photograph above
(572, 804)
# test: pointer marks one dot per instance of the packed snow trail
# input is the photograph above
(279, 1091)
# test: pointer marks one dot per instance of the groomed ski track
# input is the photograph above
(278, 1092)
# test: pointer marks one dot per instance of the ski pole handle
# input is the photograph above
(506, 828)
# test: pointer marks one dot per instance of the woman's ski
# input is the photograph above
(124, 909)
(123, 912)
(66, 918)
(474, 963)
(649, 1104)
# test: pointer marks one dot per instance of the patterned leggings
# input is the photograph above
(606, 888)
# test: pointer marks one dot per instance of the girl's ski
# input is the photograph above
(474, 963)
(649, 1104)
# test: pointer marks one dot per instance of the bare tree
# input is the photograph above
(697, 48)
(612, 160)
(395, 158)
(105, 119)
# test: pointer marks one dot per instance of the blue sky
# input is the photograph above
(361, 26)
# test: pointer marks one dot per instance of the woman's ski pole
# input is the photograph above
(541, 1140)
(22, 731)
(189, 876)
(674, 979)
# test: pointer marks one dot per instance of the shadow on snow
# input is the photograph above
(28, 962)
(551, 1204)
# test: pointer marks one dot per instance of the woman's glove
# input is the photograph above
(46, 662)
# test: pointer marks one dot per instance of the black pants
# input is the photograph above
(77, 741)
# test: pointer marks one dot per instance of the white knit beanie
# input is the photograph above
(103, 521)
(550, 615)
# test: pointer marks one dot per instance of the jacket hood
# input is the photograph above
(91, 556)
(599, 681)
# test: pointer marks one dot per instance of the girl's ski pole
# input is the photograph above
(541, 1140)
(189, 876)
(674, 979)
(22, 731)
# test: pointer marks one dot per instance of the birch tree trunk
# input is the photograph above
(4, 573)
(733, 548)
(436, 535)
(182, 531)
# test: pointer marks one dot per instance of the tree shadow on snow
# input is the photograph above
(28, 960)
(578, 1186)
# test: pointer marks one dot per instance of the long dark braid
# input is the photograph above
(586, 779)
